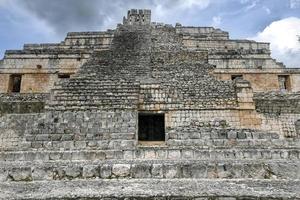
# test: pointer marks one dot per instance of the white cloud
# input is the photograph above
(216, 21)
(252, 5)
(268, 11)
(164, 10)
(244, 1)
(197, 3)
(282, 36)
(294, 4)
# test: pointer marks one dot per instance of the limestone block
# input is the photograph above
(241, 135)
(21, 174)
(149, 154)
(254, 171)
(127, 144)
(198, 171)
(212, 171)
(157, 171)
(232, 134)
(174, 154)
(187, 154)
(287, 170)
(90, 171)
(129, 154)
(223, 172)
(80, 144)
(141, 171)
(233, 170)
(186, 171)
(55, 155)
(73, 171)
(121, 170)
(172, 171)
(42, 173)
(105, 171)
(3, 175)
(161, 153)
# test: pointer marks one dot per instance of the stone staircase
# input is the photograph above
(226, 164)
(111, 79)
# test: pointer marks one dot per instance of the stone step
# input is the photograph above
(60, 106)
(151, 154)
(204, 131)
(153, 189)
(97, 90)
(97, 99)
(239, 143)
(94, 82)
(98, 94)
(57, 135)
(87, 88)
(141, 169)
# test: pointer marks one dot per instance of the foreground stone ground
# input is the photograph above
(153, 189)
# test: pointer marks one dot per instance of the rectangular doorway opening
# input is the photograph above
(64, 76)
(15, 81)
(284, 82)
(151, 127)
(236, 77)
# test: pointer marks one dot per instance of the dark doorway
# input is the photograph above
(284, 82)
(151, 127)
(236, 77)
(15, 83)
(64, 76)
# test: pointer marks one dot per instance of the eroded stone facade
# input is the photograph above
(229, 116)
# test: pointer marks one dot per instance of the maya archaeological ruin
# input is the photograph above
(149, 111)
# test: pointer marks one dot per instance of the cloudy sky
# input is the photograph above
(42, 21)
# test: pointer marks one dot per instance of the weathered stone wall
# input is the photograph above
(201, 33)
(83, 130)
(259, 82)
(22, 103)
(4, 79)
(295, 82)
(280, 111)
(225, 53)
(218, 45)
(237, 62)
(89, 40)
(37, 83)
(40, 63)
(277, 103)
(36, 80)
(137, 17)
(107, 130)
(262, 80)
(283, 124)
(18, 60)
